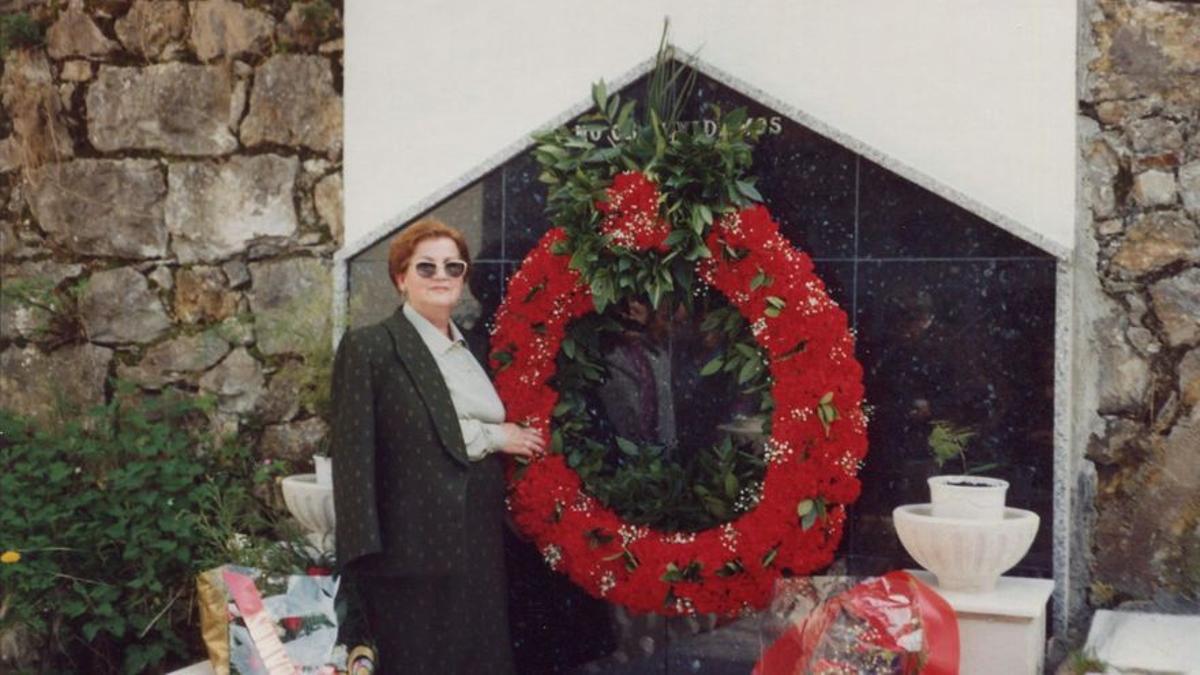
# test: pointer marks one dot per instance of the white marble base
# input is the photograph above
(1001, 631)
(1144, 642)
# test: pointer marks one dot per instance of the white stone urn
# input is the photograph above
(312, 504)
(966, 536)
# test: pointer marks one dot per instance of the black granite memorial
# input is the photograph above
(954, 316)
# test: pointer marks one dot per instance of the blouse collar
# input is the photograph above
(434, 339)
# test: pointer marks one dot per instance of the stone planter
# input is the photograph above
(312, 505)
(324, 468)
(965, 554)
(965, 535)
(970, 497)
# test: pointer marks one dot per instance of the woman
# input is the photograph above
(418, 481)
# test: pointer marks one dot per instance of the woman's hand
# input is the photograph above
(521, 442)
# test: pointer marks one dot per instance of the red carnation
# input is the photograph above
(631, 213)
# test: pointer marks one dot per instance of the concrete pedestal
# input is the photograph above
(1002, 631)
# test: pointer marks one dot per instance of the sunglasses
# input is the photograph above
(454, 269)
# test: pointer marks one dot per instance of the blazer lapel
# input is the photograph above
(423, 370)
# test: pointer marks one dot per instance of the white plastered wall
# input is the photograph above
(978, 95)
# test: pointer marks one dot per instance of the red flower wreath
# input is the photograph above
(817, 443)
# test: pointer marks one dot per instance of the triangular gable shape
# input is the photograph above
(794, 114)
(961, 312)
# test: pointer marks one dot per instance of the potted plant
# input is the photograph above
(966, 535)
(964, 495)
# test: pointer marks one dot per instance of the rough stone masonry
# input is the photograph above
(170, 192)
(1139, 268)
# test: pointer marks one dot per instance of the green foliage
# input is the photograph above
(113, 515)
(1083, 661)
(666, 93)
(702, 176)
(741, 357)
(948, 441)
(648, 488)
(317, 13)
(650, 484)
(57, 311)
(827, 412)
(304, 324)
(809, 511)
(229, 518)
(318, 22)
(33, 292)
(17, 31)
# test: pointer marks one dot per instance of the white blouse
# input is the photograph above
(480, 411)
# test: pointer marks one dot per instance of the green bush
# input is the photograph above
(18, 30)
(112, 516)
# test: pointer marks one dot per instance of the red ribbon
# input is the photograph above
(886, 605)
(941, 628)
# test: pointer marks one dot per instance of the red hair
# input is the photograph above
(400, 251)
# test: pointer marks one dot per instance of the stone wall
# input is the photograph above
(1139, 288)
(171, 196)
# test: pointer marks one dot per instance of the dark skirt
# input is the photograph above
(454, 623)
(437, 625)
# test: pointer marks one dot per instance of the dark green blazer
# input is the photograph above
(407, 499)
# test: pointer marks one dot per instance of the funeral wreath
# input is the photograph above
(663, 216)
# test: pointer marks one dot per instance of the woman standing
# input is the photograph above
(418, 484)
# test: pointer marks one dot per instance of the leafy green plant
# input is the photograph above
(648, 488)
(948, 441)
(228, 520)
(112, 514)
(17, 31)
(706, 176)
(1083, 661)
(317, 13)
(304, 324)
(316, 21)
(56, 311)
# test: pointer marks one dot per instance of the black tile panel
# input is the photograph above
(525, 219)
(899, 219)
(493, 217)
(954, 317)
(807, 180)
(967, 341)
